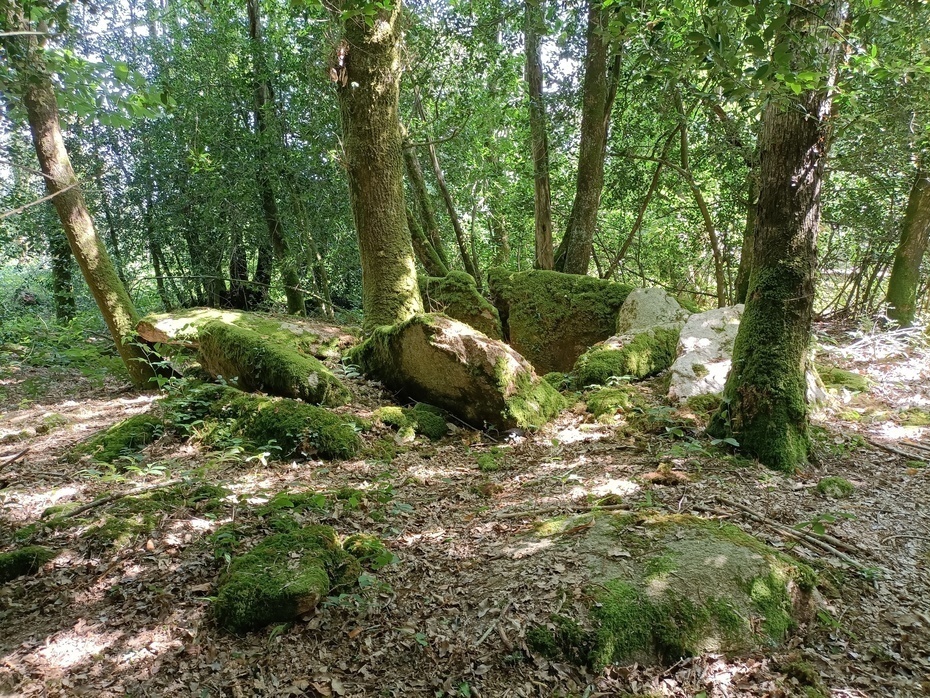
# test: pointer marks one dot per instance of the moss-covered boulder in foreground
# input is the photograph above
(221, 412)
(19, 563)
(122, 439)
(456, 295)
(251, 361)
(638, 356)
(309, 337)
(552, 318)
(690, 586)
(437, 360)
(281, 578)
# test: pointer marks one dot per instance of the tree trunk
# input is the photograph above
(424, 228)
(539, 139)
(368, 71)
(264, 111)
(38, 96)
(62, 285)
(574, 254)
(745, 255)
(915, 234)
(764, 401)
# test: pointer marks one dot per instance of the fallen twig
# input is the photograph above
(562, 507)
(113, 497)
(897, 451)
(915, 444)
(15, 457)
(801, 536)
(494, 623)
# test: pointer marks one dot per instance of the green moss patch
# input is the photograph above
(691, 587)
(122, 439)
(609, 401)
(27, 560)
(493, 460)
(457, 296)
(552, 318)
(646, 354)
(835, 487)
(283, 577)
(915, 417)
(251, 361)
(834, 377)
(421, 419)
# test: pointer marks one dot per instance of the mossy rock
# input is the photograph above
(221, 412)
(251, 361)
(281, 578)
(835, 487)
(640, 356)
(492, 460)
(308, 337)
(457, 296)
(27, 560)
(420, 419)
(609, 401)
(122, 439)
(834, 377)
(693, 586)
(553, 318)
(443, 362)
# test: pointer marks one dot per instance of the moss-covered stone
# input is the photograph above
(283, 577)
(27, 560)
(437, 360)
(835, 487)
(609, 401)
(457, 296)
(250, 361)
(122, 439)
(492, 460)
(834, 377)
(421, 419)
(641, 356)
(552, 318)
(559, 381)
(693, 586)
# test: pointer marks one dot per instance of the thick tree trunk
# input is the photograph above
(539, 140)
(264, 111)
(574, 254)
(745, 255)
(764, 402)
(368, 71)
(915, 234)
(38, 97)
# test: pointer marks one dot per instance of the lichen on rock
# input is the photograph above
(552, 318)
(457, 296)
(251, 361)
(443, 362)
(281, 578)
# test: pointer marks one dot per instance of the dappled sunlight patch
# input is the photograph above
(579, 433)
(72, 647)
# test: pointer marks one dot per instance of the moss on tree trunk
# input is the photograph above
(915, 235)
(764, 402)
(368, 70)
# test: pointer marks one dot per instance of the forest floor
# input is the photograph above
(129, 615)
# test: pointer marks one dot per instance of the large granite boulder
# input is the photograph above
(457, 296)
(704, 354)
(446, 363)
(552, 318)
(647, 308)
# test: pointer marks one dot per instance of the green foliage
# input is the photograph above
(609, 401)
(122, 439)
(420, 419)
(492, 460)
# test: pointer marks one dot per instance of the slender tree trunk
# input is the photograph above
(574, 254)
(425, 230)
(501, 239)
(424, 249)
(38, 96)
(264, 112)
(539, 140)
(62, 284)
(764, 401)
(368, 71)
(915, 234)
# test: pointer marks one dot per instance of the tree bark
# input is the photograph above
(574, 254)
(427, 241)
(367, 72)
(915, 235)
(62, 284)
(764, 401)
(745, 256)
(35, 87)
(539, 140)
(264, 111)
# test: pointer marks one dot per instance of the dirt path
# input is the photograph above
(450, 617)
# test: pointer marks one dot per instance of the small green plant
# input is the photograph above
(820, 522)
